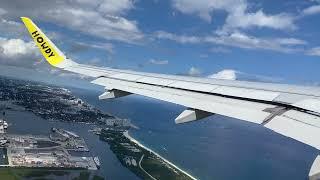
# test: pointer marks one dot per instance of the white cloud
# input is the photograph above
(64, 74)
(179, 38)
(158, 62)
(314, 51)
(240, 40)
(244, 20)
(238, 14)
(231, 74)
(18, 52)
(193, 71)
(227, 74)
(290, 41)
(115, 6)
(311, 10)
(16, 47)
(104, 18)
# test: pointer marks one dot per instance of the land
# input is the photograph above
(52, 103)
(58, 104)
(34, 173)
(44, 152)
(141, 160)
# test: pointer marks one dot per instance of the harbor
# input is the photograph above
(41, 151)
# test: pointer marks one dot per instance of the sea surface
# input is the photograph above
(217, 148)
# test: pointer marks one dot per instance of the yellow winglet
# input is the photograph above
(51, 53)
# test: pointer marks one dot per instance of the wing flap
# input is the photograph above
(246, 93)
(309, 104)
(297, 125)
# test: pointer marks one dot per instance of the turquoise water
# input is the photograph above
(215, 148)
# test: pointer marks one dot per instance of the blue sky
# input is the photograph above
(235, 39)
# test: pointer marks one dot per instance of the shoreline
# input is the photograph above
(126, 134)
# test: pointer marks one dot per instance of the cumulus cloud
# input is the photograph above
(104, 19)
(311, 10)
(238, 39)
(231, 74)
(183, 39)
(314, 51)
(18, 52)
(158, 62)
(64, 74)
(16, 47)
(227, 74)
(239, 15)
(193, 71)
(24, 54)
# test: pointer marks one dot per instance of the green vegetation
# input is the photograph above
(6, 157)
(7, 174)
(20, 173)
(41, 174)
(26, 173)
(83, 176)
(95, 177)
(130, 155)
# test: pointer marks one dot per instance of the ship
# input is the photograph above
(3, 123)
(97, 162)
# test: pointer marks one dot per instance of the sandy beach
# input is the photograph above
(126, 134)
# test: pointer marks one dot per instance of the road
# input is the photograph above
(145, 170)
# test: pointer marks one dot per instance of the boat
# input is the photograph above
(97, 161)
(5, 124)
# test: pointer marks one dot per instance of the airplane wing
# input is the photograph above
(293, 111)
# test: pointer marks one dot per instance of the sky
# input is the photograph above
(265, 40)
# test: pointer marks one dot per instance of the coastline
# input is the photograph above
(127, 135)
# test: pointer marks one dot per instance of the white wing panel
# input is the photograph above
(246, 93)
(194, 86)
(156, 81)
(299, 126)
(302, 117)
(288, 98)
(126, 77)
(309, 104)
(244, 110)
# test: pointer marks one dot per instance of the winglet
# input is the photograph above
(50, 52)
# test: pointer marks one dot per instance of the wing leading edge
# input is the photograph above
(293, 111)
